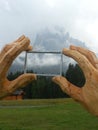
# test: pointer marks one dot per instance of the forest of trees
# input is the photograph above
(43, 87)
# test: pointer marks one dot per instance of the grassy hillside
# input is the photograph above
(56, 114)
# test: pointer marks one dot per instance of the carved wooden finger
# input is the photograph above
(89, 55)
(19, 39)
(67, 87)
(10, 45)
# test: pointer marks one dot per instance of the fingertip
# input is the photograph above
(27, 39)
(64, 50)
(29, 48)
(25, 42)
(72, 47)
(53, 79)
(20, 38)
(56, 78)
(35, 76)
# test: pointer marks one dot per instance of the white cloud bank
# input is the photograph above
(78, 17)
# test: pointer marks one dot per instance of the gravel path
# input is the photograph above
(37, 106)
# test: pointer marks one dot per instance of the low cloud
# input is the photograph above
(29, 17)
(50, 24)
(47, 41)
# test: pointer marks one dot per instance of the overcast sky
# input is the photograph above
(78, 17)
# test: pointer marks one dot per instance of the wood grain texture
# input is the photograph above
(88, 94)
(7, 56)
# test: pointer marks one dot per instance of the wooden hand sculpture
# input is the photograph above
(7, 56)
(88, 94)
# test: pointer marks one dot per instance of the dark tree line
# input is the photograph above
(43, 87)
(75, 75)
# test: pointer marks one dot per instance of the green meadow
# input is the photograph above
(45, 114)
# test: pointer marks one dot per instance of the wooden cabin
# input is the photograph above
(17, 95)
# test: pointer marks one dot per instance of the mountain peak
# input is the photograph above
(55, 39)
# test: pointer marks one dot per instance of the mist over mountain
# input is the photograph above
(54, 39)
